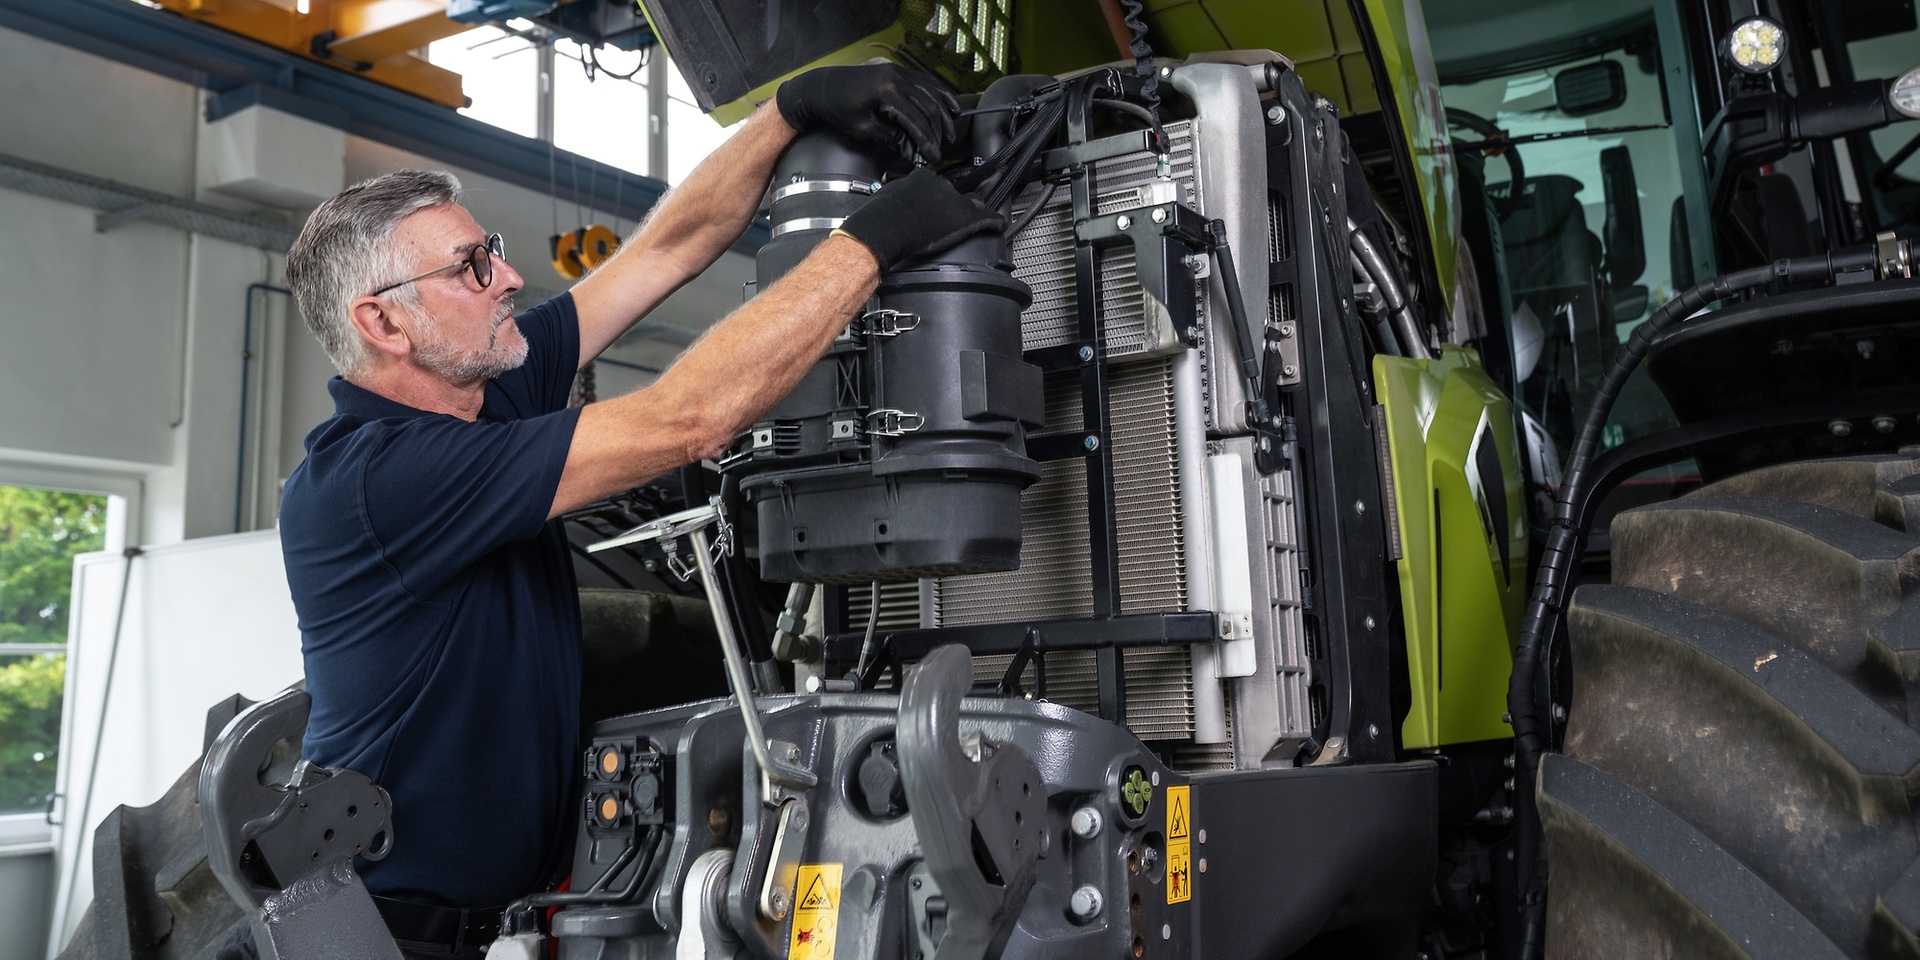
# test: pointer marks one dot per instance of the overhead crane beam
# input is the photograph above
(371, 37)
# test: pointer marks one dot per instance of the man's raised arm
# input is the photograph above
(747, 362)
(695, 222)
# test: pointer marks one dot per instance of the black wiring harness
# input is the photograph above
(1554, 579)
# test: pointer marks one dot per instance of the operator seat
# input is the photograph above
(1554, 268)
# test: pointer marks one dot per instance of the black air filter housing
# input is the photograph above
(902, 455)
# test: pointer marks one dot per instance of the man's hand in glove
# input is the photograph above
(882, 104)
(917, 214)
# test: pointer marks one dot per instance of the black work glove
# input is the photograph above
(916, 214)
(882, 104)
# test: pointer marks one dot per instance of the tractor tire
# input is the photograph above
(1740, 762)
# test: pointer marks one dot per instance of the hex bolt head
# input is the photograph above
(1123, 221)
(1289, 371)
(1840, 428)
(1276, 114)
(1193, 333)
(1884, 424)
(1085, 903)
(1265, 445)
(1086, 354)
(1086, 823)
(1159, 215)
(1286, 329)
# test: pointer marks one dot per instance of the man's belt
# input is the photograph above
(427, 923)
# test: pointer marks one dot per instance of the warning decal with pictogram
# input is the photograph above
(816, 914)
(1179, 846)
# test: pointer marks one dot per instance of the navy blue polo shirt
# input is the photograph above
(440, 622)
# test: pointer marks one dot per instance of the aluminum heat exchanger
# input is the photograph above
(941, 362)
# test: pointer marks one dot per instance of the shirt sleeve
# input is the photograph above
(441, 492)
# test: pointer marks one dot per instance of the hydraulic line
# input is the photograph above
(1406, 329)
(1554, 579)
(597, 894)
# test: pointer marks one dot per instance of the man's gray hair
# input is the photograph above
(346, 252)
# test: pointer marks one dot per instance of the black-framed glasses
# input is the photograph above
(480, 261)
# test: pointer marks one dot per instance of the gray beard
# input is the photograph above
(437, 355)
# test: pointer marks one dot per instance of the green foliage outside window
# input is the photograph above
(40, 531)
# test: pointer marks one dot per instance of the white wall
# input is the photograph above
(122, 352)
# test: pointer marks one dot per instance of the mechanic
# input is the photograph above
(439, 616)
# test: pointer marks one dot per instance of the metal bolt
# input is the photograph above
(1086, 354)
(779, 903)
(1202, 865)
(1373, 731)
(1368, 622)
(1559, 712)
(1289, 371)
(1265, 445)
(1085, 903)
(799, 819)
(1286, 329)
(1193, 332)
(1123, 221)
(1086, 823)
(1276, 114)
(1166, 72)
(1156, 779)
(1166, 931)
(1201, 836)
(1092, 443)
(1883, 423)
(1840, 428)
(1159, 215)
(916, 883)
(1360, 507)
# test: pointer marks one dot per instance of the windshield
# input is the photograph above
(1568, 103)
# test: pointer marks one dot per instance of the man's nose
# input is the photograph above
(508, 276)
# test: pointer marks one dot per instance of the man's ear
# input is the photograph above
(375, 321)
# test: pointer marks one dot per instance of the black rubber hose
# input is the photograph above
(596, 894)
(1551, 584)
(1027, 216)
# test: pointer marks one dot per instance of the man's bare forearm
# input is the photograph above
(731, 376)
(691, 226)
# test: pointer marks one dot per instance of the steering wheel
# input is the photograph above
(1516, 171)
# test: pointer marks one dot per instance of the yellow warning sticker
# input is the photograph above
(816, 912)
(1179, 844)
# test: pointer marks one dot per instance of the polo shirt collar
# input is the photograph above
(351, 399)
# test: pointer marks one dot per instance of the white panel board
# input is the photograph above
(204, 619)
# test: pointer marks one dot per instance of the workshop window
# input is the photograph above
(500, 73)
(41, 531)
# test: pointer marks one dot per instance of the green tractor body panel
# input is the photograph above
(1461, 511)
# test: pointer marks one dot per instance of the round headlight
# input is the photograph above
(1756, 45)
(1905, 94)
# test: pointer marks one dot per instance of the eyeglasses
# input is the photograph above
(480, 261)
